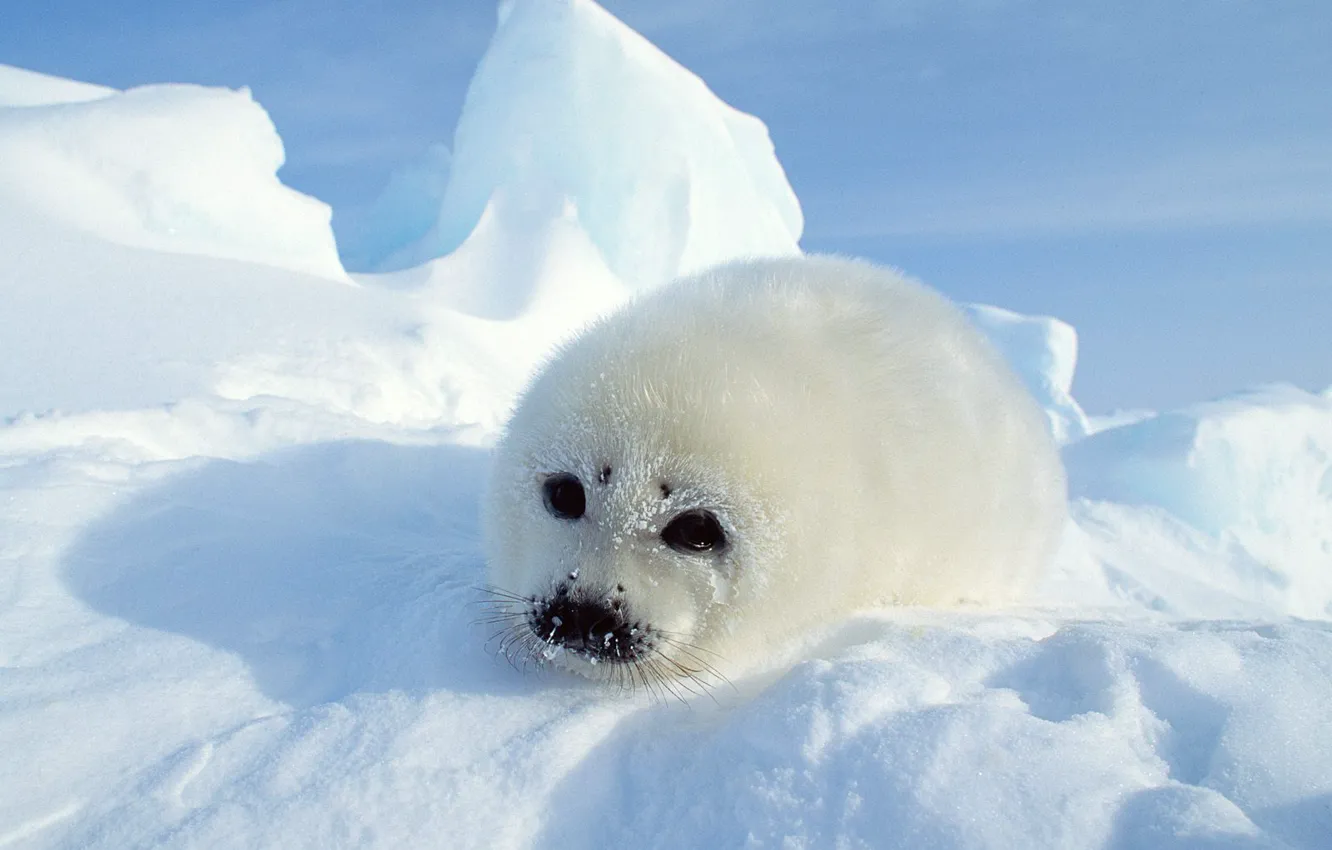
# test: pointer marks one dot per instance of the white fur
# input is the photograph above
(861, 442)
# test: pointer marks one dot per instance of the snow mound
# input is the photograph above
(1044, 352)
(528, 257)
(667, 179)
(282, 652)
(482, 319)
(178, 168)
(1252, 472)
(21, 87)
(91, 324)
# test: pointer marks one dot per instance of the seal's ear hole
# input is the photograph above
(694, 531)
(564, 495)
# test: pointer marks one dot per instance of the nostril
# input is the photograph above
(591, 626)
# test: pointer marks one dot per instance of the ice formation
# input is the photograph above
(1253, 470)
(1044, 352)
(178, 168)
(665, 177)
(400, 215)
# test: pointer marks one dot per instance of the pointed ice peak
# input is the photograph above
(666, 177)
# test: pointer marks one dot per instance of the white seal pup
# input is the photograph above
(758, 449)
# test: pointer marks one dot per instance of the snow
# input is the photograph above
(400, 215)
(1253, 471)
(238, 531)
(1044, 352)
(666, 178)
(178, 168)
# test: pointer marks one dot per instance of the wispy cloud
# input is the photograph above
(1280, 184)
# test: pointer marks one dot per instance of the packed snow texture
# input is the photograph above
(238, 541)
(178, 168)
(665, 177)
(1253, 471)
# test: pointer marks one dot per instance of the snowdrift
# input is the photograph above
(1252, 472)
(175, 168)
(238, 532)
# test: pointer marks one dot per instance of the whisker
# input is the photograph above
(507, 611)
(691, 679)
(682, 639)
(686, 649)
(535, 647)
(506, 630)
(673, 682)
(512, 635)
(680, 669)
(487, 619)
(681, 674)
(495, 593)
(655, 677)
(520, 648)
(692, 651)
(491, 620)
(619, 670)
(642, 677)
(492, 602)
(514, 664)
(516, 634)
(502, 612)
(671, 687)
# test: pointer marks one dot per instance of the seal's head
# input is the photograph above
(631, 511)
(618, 534)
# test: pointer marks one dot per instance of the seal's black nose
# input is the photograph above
(594, 628)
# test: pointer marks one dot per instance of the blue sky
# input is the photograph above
(1157, 173)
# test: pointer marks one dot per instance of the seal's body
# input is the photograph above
(756, 450)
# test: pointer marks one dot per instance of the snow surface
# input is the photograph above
(175, 168)
(1253, 471)
(238, 547)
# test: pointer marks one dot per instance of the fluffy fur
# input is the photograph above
(858, 441)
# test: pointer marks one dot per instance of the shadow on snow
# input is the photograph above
(330, 570)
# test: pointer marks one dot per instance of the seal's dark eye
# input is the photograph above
(694, 531)
(564, 496)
